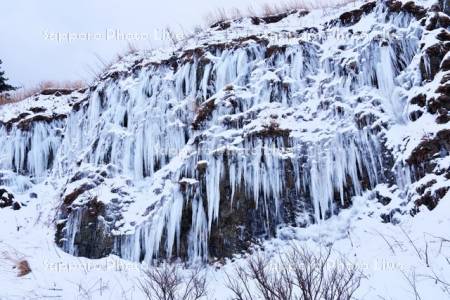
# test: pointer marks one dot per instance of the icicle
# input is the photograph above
(332, 162)
(404, 176)
(214, 175)
(198, 237)
(71, 228)
(173, 222)
(205, 81)
(141, 124)
(385, 73)
(30, 152)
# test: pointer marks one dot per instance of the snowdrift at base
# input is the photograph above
(307, 128)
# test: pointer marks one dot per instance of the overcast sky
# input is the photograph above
(31, 53)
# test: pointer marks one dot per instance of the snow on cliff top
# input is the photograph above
(51, 102)
(278, 33)
(385, 251)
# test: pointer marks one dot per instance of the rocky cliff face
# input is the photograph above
(253, 125)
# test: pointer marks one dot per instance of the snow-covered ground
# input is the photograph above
(389, 255)
(140, 137)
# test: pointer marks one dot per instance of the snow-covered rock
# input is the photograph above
(254, 129)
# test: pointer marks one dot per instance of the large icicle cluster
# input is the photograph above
(30, 151)
(230, 136)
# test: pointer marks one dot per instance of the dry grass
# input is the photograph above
(96, 72)
(27, 92)
(216, 16)
(23, 267)
(4, 100)
(271, 9)
(103, 65)
(220, 15)
(15, 260)
(128, 50)
(172, 36)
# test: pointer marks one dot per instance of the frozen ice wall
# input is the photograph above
(230, 136)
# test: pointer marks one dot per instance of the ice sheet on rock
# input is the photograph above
(296, 101)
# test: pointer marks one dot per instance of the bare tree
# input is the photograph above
(270, 284)
(319, 278)
(301, 274)
(167, 282)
